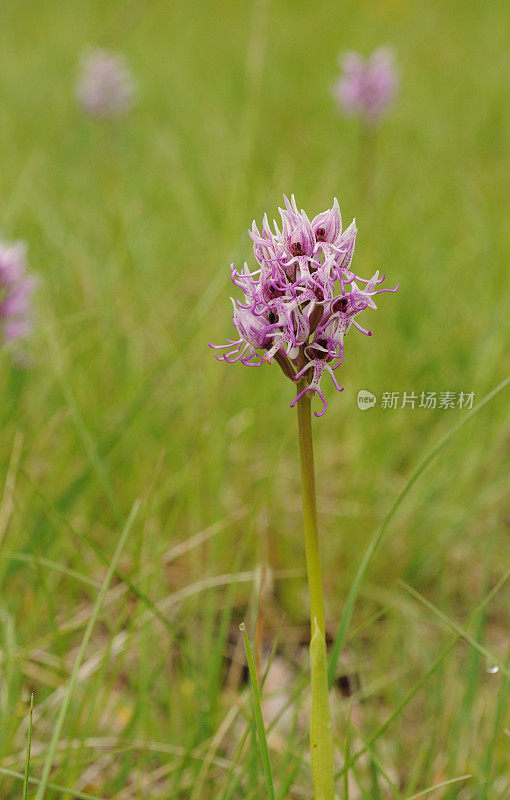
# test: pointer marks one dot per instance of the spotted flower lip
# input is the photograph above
(16, 289)
(301, 299)
(327, 226)
(298, 236)
(367, 87)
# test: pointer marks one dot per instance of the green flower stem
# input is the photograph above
(321, 736)
(313, 557)
(367, 159)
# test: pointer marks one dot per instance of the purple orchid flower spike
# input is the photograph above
(16, 289)
(301, 299)
(105, 88)
(367, 87)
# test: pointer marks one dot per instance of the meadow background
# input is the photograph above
(131, 228)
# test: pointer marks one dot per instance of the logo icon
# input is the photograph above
(365, 399)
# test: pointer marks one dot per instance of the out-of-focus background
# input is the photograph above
(131, 226)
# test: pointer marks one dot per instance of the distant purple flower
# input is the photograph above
(367, 87)
(296, 306)
(105, 86)
(16, 289)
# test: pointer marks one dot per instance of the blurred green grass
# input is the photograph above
(131, 228)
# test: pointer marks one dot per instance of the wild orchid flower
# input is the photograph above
(16, 288)
(367, 87)
(105, 87)
(298, 305)
(302, 298)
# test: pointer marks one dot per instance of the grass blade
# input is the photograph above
(54, 786)
(439, 786)
(461, 632)
(498, 719)
(425, 677)
(81, 653)
(28, 558)
(29, 744)
(376, 540)
(347, 753)
(257, 711)
(376, 768)
(121, 576)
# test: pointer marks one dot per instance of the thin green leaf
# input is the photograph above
(96, 462)
(28, 558)
(498, 719)
(257, 711)
(377, 768)
(54, 786)
(347, 753)
(81, 653)
(29, 744)
(321, 742)
(428, 673)
(376, 540)
(121, 576)
(439, 786)
(461, 632)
